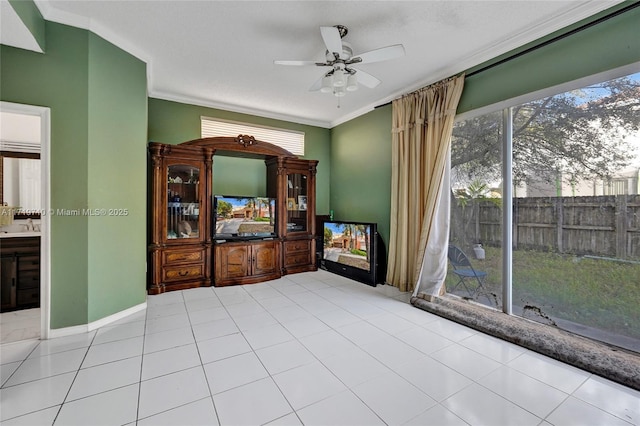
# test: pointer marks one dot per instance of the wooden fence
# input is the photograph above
(602, 226)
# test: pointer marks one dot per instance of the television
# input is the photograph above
(243, 218)
(352, 249)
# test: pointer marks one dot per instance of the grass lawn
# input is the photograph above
(602, 294)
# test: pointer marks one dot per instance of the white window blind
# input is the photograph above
(13, 146)
(290, 140)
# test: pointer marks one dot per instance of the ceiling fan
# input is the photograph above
(342, 77)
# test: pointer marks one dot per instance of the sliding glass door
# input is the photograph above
(575, 210)
(476, 208)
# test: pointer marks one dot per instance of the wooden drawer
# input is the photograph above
(29, 263)
(21, 246)
(301, 258)
(29, 279)
(176, 257)
(295, 246)
(182, 273)
(28, 297)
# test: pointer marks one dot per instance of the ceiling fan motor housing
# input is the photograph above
(341, 76)
(347, 52)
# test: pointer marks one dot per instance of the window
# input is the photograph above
(575, 230)
(290, 140)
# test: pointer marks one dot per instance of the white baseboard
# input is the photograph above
(67, 331)
(78, 329)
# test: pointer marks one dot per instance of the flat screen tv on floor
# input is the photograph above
(243, 218)
(352, 249)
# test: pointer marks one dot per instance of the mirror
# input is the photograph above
(21, 185)
(20, 139)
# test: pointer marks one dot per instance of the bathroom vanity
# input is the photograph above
(19, 270)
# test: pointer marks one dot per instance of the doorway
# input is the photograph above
(22, 128)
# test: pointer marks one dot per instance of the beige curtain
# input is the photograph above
(422, 126)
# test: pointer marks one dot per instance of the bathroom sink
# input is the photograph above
(22, 234)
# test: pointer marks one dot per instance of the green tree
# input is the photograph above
(363, 230)
(580, 134)
(472, 194)
(347, 231)
(225, 209)
(328, 237)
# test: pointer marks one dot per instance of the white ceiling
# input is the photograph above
(221, 53)
(13, 32)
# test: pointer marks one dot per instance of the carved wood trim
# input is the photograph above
(242, 144)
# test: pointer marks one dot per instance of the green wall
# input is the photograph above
(99, 129)
(174, 122)
(610, 44)
(360, 148)
(361, 169)
(32, 18)
(59, 80)
(116, 179)
(68, 79)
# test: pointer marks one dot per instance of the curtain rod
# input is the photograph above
(557, 38)
(550, 41)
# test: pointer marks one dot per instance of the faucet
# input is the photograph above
(29, 226)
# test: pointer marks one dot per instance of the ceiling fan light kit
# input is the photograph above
(338, 78)
(327, 84)
(352, 83)
(339, 56)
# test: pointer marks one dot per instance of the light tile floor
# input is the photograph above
(19, 325)
(313, 349)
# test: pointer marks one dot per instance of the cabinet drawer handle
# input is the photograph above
(183, 273)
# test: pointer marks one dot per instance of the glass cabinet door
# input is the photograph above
(183, 201)
(297, 187)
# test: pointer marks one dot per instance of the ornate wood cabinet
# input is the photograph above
(180, 234)
(246, 262)
(293, 182)
(182, 250)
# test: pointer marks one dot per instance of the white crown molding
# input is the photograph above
(553, 90)
(571, 15)
(14, 32)
(50, 13)
(355, 114)
(168, 96)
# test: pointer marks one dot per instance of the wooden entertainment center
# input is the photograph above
(183, 252)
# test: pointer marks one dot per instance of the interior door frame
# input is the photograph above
(45, 217)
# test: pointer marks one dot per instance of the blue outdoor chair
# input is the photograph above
(464, 271)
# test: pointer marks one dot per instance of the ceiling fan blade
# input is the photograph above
(296, 63)
(377, 55)
(317, 85)
(366, 79)
(332, 39)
